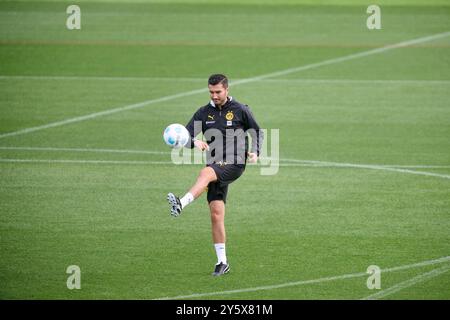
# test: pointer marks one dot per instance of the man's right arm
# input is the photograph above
(193, 129)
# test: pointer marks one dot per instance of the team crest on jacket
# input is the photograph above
(229, 116)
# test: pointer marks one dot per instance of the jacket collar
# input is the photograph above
(229, 99)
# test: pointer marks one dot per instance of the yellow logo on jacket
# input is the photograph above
(229, 116)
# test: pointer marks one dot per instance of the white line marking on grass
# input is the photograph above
(418, 264)
(83, 150)
(103, 113)
(325, 165)
(305, 282)
(366, 166)
(120, 162)
(290, 162)
(346, 58)
(408, 283)
(296, 161)
(235, 83)
(177, 79)
(416, 166)
(356, 81)
(83, 78)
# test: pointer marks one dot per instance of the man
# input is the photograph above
(225, 123)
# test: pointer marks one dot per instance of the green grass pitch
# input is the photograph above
(364, 175)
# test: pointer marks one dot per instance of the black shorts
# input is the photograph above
(226, 174)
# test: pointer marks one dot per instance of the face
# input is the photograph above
(218, 94)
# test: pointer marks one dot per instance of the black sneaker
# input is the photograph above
(221, 269)
(175, 205)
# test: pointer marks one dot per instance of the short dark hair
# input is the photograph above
(218, 78)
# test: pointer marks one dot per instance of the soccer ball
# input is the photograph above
(176, 135)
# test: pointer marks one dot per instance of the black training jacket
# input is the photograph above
(232, 123)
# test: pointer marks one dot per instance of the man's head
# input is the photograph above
(218, 89)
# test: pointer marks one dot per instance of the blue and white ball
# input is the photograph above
(176, 135)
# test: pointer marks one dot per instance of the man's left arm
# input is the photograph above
(257, 135)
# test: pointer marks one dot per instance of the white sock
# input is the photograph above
(220, 252)
(188, 198)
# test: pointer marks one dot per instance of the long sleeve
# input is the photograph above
(255, 131)
(193, 129)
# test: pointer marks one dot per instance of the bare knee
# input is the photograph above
(216, 215)
(217, 212)
(207, 174)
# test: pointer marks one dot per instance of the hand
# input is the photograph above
(252, 157)
(201, 145)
